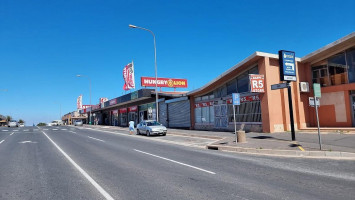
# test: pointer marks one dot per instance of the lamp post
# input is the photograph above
(156, 71)
(79, 75)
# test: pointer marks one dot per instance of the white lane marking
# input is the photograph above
(2, 141)
(12, 133)
(63, 129)
(72, 132)
(5, 130)
(86, 175)
(24, 142)
(95, 139)
(46, 129)
(180, 163)
(54, 129)
(25, 130)
(16, 130)
(35, 129)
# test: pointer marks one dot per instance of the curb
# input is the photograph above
(325, 154)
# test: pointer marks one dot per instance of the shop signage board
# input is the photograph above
(112, 102)
(287, 65)
(246, 99)
(203, 104)
(164, 82)
(133, 109)
(256, 83)
(123, 110)
(114, 112)
(317, 95)
(278, 86)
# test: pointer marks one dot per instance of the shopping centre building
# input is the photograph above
(210, 107)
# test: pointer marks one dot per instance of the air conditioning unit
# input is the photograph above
(304, 87)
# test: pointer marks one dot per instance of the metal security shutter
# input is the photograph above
(179, 114)
(163, 115)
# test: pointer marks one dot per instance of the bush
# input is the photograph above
(41, 124)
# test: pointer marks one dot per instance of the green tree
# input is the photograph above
(41, 124)
(21, 121)
(8, 118)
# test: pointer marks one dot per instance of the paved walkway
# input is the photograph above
(333, 142)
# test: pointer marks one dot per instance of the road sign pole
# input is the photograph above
(291, 110)
(319, 137)
(235, 124)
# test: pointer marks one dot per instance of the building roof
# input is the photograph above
(330, 49)
(252, 58)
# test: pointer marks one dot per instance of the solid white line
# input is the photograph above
(180, 163)
(12, 133)
(2, 141)
(95, 139)
(86, 175)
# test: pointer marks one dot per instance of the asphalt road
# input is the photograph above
(80, 163)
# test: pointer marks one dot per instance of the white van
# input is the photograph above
(57, 123)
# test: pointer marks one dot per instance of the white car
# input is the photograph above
(78, 123)
(21, 125)
(151, 127)
(57, 123)
(12, 123)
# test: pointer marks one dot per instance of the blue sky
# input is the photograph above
(44, 44)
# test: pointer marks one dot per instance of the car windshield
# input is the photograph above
(154, 123)
(13, 121)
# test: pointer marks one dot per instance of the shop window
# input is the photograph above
(198, 99)
(220, 92)
(232, 86)
(320, 75)
(350, 62)
(254, 70)
(205, 115)
(337, 69)
(247, 112)
(243, 83)
(198, 115)
(211, 114)
(205, 98)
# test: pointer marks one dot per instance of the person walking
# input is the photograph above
(131, 127)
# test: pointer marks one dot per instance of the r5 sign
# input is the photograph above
(256, 83)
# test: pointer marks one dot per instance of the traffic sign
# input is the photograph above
(287, 65)
(316, 89)
(236, 98)
(279, 86)
(311, 101)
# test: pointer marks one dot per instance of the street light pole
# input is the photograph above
(156, 70)
(79, 75)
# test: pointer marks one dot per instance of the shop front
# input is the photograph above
(114, 117)
(123, 117)
(133, 114)
(147, 112)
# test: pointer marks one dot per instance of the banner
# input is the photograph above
(128, 77)
(79, 102)
(164, 82)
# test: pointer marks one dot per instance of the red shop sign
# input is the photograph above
(164, 82)
(256, 83)
(113, 102)
(204, 104)
(133, 109)
(246, 99)
(123, 110)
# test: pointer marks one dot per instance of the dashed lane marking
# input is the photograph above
(63, 129)
(54, 129)
(95, 139)
(5, 130)
(180, 163)
(12, 133)
(46, 129)
(86, 175)
(2, 141)
(16, 130)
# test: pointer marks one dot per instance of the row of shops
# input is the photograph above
(210, 107)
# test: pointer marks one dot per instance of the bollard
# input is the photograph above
(241, 138)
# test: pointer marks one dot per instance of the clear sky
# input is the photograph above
(44, 44)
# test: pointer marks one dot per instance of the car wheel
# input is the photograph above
(148, 133)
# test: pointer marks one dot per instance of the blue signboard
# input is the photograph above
(236, 99)
(287, 65)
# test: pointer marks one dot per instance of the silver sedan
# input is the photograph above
(151, 127)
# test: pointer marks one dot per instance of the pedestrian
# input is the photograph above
(131, 127)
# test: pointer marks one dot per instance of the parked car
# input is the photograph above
(12, 123)
(78, 123)
(151, 127)
(57, 123)
(21, 125)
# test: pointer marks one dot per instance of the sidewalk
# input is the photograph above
(334, 144)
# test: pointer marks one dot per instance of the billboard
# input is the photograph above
(164, 82)
(128, 76)
(256, 83)
(79, 102)
(287, 65)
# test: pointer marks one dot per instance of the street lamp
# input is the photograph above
(79, 75)
(156, 71)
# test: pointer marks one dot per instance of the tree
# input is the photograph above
(8, 118)
(21, 121)
(41, 124)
